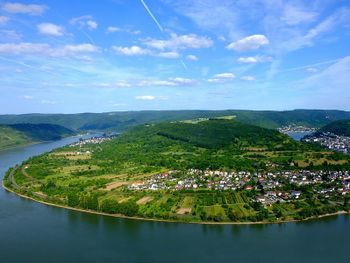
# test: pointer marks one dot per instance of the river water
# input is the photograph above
(33, 232)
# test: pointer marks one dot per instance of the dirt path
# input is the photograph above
(23, 171)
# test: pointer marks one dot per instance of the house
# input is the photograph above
(295, 194)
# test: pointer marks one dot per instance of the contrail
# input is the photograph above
(28, 66)
(159, 26)
(152, 16)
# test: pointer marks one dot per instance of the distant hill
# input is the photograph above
(341, 127)
(121, 121)
(25, 133)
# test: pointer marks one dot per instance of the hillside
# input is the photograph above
(341, 127)
(121, 121)
(208, 170)
(11, 138)
(25, 133)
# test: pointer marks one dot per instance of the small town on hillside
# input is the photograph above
(93, 140)
(331, 141)
(271, 185)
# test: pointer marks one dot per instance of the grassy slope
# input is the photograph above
(120, 121)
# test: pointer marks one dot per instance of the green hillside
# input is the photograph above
(25, 133)
(341, 127)
(186, 171)
(121, 121)
(11, 138)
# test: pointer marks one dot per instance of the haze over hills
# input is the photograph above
(121, 121)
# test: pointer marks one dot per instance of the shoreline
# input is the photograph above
(19, 146)
(168, 220)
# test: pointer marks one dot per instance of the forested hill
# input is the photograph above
(341, 127)
(213, 134)
(121, 121)
(25, 133)
(216, 144)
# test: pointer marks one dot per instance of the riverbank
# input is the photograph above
(168, 220)
(19, 146)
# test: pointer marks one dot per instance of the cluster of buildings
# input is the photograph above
(93, 140)
(270, 182)
(295, 128)
(331, 141)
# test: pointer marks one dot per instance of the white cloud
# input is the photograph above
(150, 82)
(4, 20)
(248, 78)
(81, 48)
(112, 29)
(131, 51)
(91, 24)
(18, 8)
(255, 59)
(192, 58)
(190, 41)
(50, 29)
(44, 49)
(222, 77)
(85, 21)
(145, 97)
(249, 43)
(139, 51)
(183, 81)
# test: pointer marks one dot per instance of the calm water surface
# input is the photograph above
(32, 232)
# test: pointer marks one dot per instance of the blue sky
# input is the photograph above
(115, 55)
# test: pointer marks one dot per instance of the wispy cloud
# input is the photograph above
(248, 78)
(254, 59)
(112, 29)
(44, 49)
(190, 41)
(192, 57)
(4, 20)
(85, 22)
(145, 97)
(18, 8)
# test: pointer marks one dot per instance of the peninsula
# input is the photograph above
(200, 170)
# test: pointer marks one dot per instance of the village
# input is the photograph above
(93, 140)
(295, 128)
(331, 141)
(270, 186)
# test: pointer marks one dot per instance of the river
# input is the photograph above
(33, 232)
